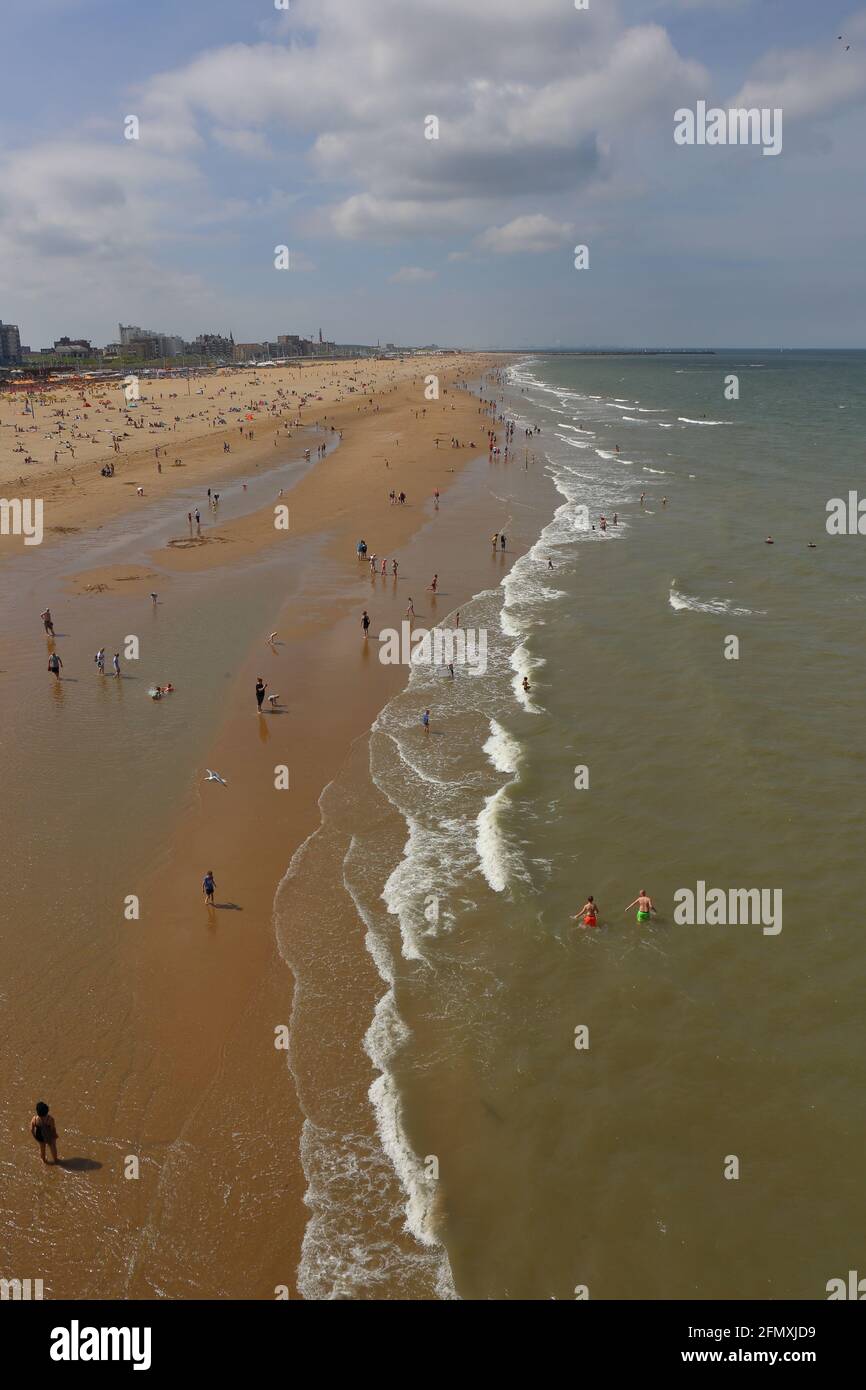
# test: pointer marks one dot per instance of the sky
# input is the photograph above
(307, 127)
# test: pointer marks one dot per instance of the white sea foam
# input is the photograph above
(685, 603)
(490, 844)
(385, 1037)
(502, 748)
(686, 421)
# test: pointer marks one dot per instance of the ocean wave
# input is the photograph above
(385, 1037)
(490, 843)
(686, 421)
(502, 748)
(686, 603)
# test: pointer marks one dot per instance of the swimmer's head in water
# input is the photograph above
(41, 1109)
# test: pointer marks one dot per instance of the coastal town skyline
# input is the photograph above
(432, 171)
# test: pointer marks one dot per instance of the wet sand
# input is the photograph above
(200, 1092)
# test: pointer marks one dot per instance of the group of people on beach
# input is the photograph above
(55, 665)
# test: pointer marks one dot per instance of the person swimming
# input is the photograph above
(644, 904)
(589, 913)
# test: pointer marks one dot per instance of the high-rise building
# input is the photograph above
(146, 342)
(213, 345)
(10, 344)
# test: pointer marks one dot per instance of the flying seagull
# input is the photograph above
(215, 777)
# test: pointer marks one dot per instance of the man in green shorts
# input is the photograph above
(644, 904)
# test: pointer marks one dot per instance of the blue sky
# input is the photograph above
(306, 128)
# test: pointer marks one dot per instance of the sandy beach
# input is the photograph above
(202, 1095)
(177, 426)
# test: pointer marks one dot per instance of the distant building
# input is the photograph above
(145, 342)
(212, 345)
(10, 344)
(242, 352)
(72, 347)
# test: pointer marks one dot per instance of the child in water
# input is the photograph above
(44, 1131)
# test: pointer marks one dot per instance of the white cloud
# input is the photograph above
(808, 81)
(534, 233)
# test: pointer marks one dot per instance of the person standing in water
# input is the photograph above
(365, 624)
(115, 662)
(208, 887)
(261, 687)
(644, 904)
(44, 1130)
(589, 913)
(48, 621)
(55, 665)
(425, 720)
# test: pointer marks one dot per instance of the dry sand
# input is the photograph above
(181, 426)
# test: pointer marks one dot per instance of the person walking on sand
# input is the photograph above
(44, 1131)
(425, 720)
(644, 904)
(589, 913)
(365, 624)
(55, 665)
(208, 887)
(48, 622)
(115, 662)
(261, 687)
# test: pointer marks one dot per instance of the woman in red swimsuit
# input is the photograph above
(589, 913)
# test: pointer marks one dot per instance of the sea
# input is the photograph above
(499, 1102)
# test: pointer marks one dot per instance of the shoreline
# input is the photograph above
(197, 997)
(250, 967)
